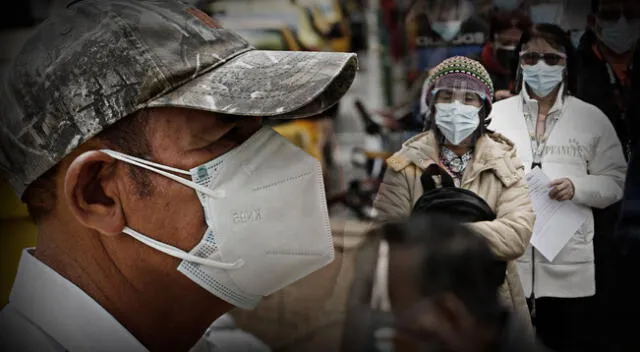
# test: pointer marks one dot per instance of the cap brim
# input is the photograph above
(277, 84)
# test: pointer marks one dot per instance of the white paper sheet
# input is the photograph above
(556, 221)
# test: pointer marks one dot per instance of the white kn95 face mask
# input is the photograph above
(267, 217)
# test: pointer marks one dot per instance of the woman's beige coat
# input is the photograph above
(494, 173)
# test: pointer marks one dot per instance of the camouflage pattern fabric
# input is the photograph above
(98, 61)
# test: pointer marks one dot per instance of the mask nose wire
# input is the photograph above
(159, 169)
(157, 245)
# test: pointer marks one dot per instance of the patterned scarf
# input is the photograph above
(455, 164)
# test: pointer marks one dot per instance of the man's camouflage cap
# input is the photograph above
(98, 61)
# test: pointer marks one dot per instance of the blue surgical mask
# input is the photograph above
(447, 29)
(456, 121)
(542, 78)
(620, 36)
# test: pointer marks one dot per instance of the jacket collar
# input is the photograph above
(531, 105)
(64, 312)
(493, 152)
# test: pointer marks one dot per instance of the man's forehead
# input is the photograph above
(188, 113)
(197, 121)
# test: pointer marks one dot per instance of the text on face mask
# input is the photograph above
(247, 216)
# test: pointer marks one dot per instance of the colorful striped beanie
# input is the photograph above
(457, 68)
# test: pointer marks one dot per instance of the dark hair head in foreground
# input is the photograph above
(451, 258)
(443, 285)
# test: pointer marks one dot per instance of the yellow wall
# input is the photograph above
(16, 232)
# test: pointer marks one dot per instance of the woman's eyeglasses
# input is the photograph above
(532, 58)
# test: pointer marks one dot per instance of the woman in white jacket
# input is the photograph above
(576, 146)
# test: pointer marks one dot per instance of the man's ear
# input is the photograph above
(91, 193)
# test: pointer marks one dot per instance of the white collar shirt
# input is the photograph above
(46, 312)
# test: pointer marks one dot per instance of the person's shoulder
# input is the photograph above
(584, 51)
(499, 146)
(415, 151)
(505, 104)
(17, 333)
(501, 141)
(584, 111)
(501, 152)
(502, 112)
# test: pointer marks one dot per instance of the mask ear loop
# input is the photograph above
(179, 253)
(157, 245)
(158, 168)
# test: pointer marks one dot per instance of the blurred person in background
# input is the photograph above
(486, 8)
(133, 131)
(437, 30)
(606, 78)
(440, 29)
(456, 101)
(499, 55)
(575, 21)
(576, 146)
(570, 15)
(546, 11)
(607, 55)
(625, 310)
(444, 290)
(507, 5)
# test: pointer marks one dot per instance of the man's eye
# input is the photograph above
(230, 136)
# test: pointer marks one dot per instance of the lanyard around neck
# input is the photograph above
(538, 146)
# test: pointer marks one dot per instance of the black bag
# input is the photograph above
(449, 200)
(455, 203)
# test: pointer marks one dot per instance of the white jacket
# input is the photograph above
(582, 146)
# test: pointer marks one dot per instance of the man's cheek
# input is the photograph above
(192, 226)
(181, 217)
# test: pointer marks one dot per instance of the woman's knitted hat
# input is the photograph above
(451, 72)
